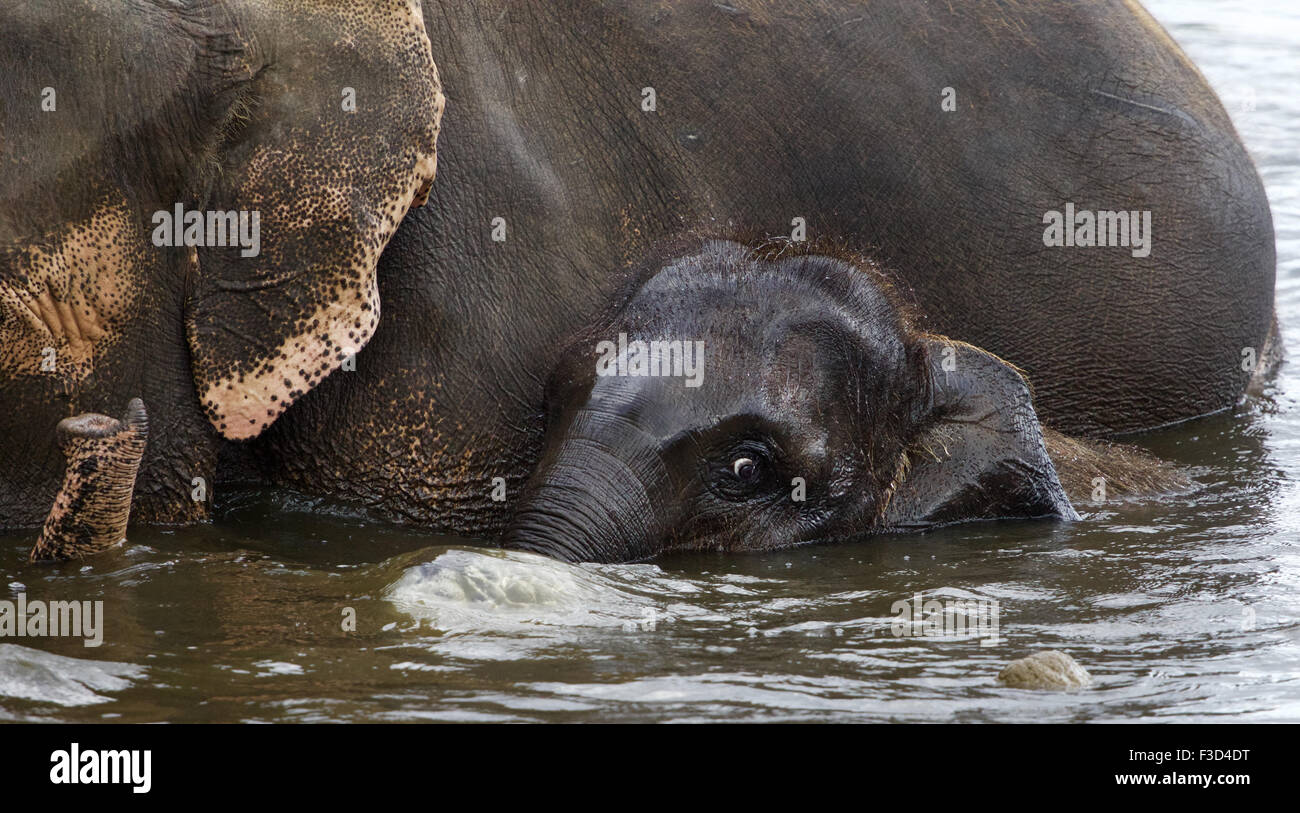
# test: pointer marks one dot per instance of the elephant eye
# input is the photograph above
(745, 469)
(741, 470)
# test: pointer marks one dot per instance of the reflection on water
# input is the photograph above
(1186, 609)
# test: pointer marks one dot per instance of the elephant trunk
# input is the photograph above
(586, 503)
(91, 510)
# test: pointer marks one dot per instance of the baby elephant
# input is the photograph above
(91, 510)
(749, 399)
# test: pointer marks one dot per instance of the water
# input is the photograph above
(1183, 609)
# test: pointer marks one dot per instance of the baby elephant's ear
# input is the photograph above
(335, 141)
(980, 454)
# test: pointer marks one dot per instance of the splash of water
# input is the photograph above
(512, 591)
(30, 674)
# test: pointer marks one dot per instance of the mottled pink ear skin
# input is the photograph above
(330, 182)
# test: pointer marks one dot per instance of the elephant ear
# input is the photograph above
(336, 141)
(980, 453)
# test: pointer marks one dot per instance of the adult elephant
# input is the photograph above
(590, 152)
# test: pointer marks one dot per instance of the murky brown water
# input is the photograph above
(1182, 609)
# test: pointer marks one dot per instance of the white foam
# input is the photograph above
(496, 590)
(31, 674)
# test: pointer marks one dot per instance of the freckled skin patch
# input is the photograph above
(72, 292)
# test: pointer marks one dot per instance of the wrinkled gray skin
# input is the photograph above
(827, 110)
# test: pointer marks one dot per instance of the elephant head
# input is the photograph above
(204, 191)
(748, 400)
